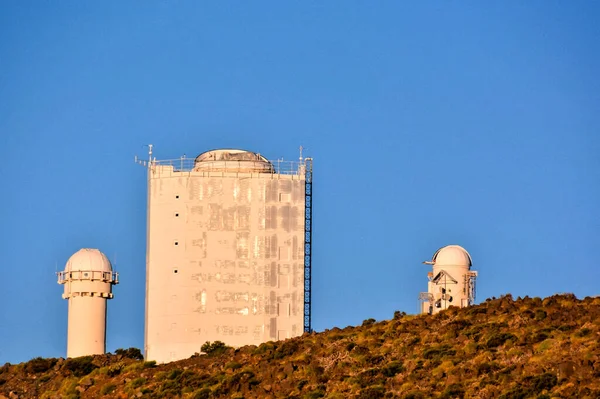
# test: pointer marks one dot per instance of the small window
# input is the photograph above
(175, 270)
(177, 197)
(176, 215)
(86, 274)
(176, 243)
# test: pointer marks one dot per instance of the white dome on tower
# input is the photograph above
(87, 279)
(452, 255)
(88, 259)
(451, 280)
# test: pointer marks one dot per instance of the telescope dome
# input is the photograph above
(88, 259)
(452, 255)
(232, 160)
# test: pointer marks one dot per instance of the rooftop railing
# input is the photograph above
(185, 164)
(92, 275)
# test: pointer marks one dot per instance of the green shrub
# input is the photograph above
(453, 391)
(583, 332)
(113, 370)
(137, 366)
(539, 337)
(233, 365)
(264, 348)
(138, 382)
(438, 352)
(316, 394)
(287, 348)
(173, 374)
(544, 381)
(149, 364)
(214, 348)
(499, 339)
(131, 353)
(80, 366)
(69, 387)
(398, 315)
(540, 314)
(108, 389)
(372, 392)
(487, 368)
(203, 393)
(368, 322)
(518, 392)
(392, 368)
(39, 365)
(161, 375)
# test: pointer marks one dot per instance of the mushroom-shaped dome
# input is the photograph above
(452, 255)
(88, 259)
(232, 160)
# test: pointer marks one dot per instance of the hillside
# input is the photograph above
(528, 348)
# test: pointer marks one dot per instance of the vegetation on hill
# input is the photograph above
(528, 348)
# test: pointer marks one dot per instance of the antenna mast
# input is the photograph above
(143, 163)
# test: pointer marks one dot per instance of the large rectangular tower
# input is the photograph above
(226, 252)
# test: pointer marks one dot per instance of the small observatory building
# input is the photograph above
(451, 282)
(88, 279)
(228, 251)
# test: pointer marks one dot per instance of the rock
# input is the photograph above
(267, 388)
(87, 382)
(453, 379)
(13, 395)
(565, 370)
(288, 368)
(139, 395)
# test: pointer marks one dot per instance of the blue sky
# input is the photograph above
(470, 123)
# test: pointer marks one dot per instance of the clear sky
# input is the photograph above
(466, 122)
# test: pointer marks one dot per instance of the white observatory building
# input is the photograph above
(228, 251)
(88, 279)
(451, 283)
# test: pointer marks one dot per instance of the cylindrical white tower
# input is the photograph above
(88, 279)
(452, 282)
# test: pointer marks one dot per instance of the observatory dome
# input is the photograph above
(452, 255)
(88, 259)
(232, 160)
